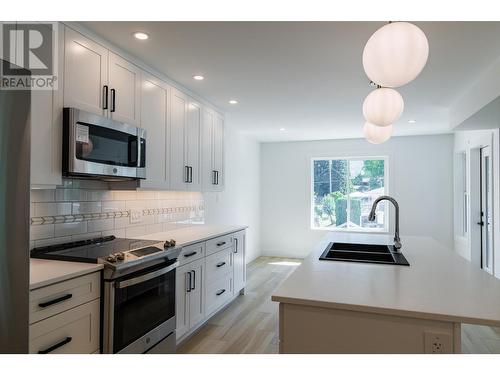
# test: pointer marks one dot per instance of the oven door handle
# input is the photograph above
(146, 277)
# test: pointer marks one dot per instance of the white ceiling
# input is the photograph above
(303, 76)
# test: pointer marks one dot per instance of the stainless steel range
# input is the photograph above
(139, 290)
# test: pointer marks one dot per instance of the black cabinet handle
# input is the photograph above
(190, 254)
(188, 281)
(56, 300)
(55, 346)
(214, 177)
(220, 264)
(221, 243)
(481, 223)
(235, 245)
(194, 280)
(186, 171)
(113, 100)
(105, 97)
(220, 292)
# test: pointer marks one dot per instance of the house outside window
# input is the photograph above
(343, 191)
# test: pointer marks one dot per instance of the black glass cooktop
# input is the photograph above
(89, 251)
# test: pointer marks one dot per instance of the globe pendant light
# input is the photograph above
(395, 54)
(383, 106)
(377, 134)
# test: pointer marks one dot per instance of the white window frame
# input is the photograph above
(386, 227)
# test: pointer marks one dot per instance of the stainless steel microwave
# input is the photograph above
(98, 147)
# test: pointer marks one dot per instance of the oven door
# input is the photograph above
(98, 146)
(140, 309)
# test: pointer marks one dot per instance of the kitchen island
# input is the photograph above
(343, 307)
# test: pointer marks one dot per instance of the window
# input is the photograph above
(343, 193)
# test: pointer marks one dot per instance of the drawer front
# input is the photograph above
(75, 331)
(218, 293)
(220, 243)
(191, 253)
(218, 265)
(59, 297)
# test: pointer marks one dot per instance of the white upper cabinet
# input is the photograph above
(154, 114)
(179, 172)
(46, 130)
(85, 73)
(124, 90)
(193, 144)
(212, 151)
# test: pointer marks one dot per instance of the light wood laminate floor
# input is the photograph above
(250, 323)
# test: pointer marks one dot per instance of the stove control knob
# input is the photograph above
(169, 243)
(120, 256)
(111, 258)
(172, 242)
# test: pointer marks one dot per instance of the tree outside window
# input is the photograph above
(344, 191)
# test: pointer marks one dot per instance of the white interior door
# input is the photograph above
(486, 220)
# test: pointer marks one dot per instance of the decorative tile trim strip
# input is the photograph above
(110, 215)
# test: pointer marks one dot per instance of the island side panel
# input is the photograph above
(309, 329)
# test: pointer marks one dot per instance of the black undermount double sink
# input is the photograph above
(363, 253)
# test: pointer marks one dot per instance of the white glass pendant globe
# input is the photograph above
(377, 134)
(383, 106)
(395, 54)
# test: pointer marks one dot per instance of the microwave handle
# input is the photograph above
(146, 277)
(140, 135)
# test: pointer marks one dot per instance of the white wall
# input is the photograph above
(421, 179)
(239, 203)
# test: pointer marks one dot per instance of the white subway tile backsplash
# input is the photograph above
(86, 208)
(71, 195)
(40, 232)
(99, 195)
(161, 210)
(119, 233)
(100, 225)
(124, 195)
(110, 206)
(135, 231)
(52, 209)
(86, 236)
(69, 229)
(42, 195)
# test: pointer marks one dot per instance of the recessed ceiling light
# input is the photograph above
(232, 101)
(141, 35)
(282, 129)
(198, 78)
(412, 121)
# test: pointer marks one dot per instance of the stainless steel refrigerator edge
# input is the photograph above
(14, 219)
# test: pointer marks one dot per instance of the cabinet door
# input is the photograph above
(196, 295)
(85, 73)
(46, 130)
(182, 299)
(178, 119)
(193, 144)
(239, 267)
(207, 155)
(218, 145)
(125, 90)
(154, 98)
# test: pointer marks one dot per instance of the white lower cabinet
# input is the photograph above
(65, 317)
(75, 331)
(190, 307)
(239, 268)
(205, 280)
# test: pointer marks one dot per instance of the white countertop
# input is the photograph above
(190, 235)
(45, 272)
(439, 284)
